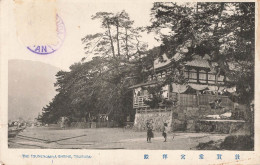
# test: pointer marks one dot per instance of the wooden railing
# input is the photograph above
(139, 102)
(146, 110)
(188, 100)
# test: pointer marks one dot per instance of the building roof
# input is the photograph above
(182, 88)
(199, 87)
(198, 63)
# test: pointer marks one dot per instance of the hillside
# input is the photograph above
(30, 87)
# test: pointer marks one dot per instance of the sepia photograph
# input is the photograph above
(165, 76)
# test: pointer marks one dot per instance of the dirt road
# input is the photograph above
(106, 138)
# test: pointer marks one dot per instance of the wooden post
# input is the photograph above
(178, 102)
(198, 81)
(169, 91)
(207, 81)
(178, 99)
(198, 99)
(188, 74)
(133, 97)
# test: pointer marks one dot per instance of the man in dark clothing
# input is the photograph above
(164, 132)
(149, 132)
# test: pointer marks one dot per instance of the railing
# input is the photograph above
(196, 100)
(139, 102)
(146, 110)
(206, 99)
(188, 100)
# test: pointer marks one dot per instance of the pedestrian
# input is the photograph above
(164, 134)
(149, 132)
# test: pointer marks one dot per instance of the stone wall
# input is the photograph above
(221, 126)
(156, 118)
(187, 119)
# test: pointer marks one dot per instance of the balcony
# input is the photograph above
(139, 101)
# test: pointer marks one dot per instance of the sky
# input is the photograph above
(76, 16)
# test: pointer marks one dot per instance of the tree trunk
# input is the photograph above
(218, 45)
(216, 81)
(126, 44)
(117, 38)
(111, 40)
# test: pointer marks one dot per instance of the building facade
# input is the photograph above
(202, 98)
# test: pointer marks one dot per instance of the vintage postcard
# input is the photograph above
(129, 82)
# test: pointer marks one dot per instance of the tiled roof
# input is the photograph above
(198, 63)
(182, 88)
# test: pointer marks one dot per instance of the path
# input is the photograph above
(106, 138)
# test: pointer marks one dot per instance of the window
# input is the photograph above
(211, 77)
(193, 74)
(203, 76)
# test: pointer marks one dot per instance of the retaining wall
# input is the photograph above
(186, 119)
(156, 118)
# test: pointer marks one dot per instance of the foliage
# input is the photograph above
(157, 100)
(233, 142)
(101, 86)
(223, 31)
(238, 142)
(119, 40)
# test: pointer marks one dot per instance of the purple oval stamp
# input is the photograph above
(48, 49)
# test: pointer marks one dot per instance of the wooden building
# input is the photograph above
(202, 94)
(201, 81)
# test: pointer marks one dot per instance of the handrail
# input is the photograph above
(188, 100)
(148, 110)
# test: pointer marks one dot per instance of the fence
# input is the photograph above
(145, 110)
(187, 100)
(139, 102)
(196, 100)
(94, 124)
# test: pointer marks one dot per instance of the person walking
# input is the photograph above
(149, 132)
(164, 133)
